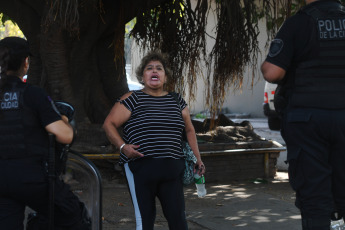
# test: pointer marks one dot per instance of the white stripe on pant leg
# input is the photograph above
(131, 185)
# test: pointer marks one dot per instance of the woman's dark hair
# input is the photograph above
(153, 56)
(13, 51)
(4, 58)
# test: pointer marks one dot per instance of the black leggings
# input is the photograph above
(162, 178)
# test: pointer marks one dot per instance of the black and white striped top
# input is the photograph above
(155, 124)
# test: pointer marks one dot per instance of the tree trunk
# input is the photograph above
(80, 68)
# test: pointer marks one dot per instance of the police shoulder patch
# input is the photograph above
(276, 47)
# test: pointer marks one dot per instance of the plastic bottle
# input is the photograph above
(200, 185)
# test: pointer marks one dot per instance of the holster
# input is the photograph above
(280, 99)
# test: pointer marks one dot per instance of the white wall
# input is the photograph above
(247, 100)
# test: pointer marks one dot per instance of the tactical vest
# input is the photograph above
(320, 82)
(12, 142)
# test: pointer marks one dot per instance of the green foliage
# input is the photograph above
(200, 116)
(9, 28)
(130, 25)
(4, 18)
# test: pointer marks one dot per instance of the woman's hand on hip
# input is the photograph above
(130, 151)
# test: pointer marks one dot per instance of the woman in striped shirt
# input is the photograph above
(151, 153)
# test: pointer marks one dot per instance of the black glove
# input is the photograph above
(65, 109)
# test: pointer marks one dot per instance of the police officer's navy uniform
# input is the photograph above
(25, 110)
(310, 46)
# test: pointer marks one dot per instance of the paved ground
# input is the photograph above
(249, 205)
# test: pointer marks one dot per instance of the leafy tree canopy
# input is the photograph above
(9, 28)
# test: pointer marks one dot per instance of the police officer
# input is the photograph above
(307, 60)
(26, 118)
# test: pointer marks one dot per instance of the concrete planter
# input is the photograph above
(240, 161)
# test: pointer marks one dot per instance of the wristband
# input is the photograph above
(121, 147)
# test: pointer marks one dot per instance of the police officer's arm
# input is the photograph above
(118, 115)
(62, 130)
(272, 73)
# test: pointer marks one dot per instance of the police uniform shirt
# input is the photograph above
(298, 37)
(292, 43)
(39, 114)
(37, 99)
(310, 46)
